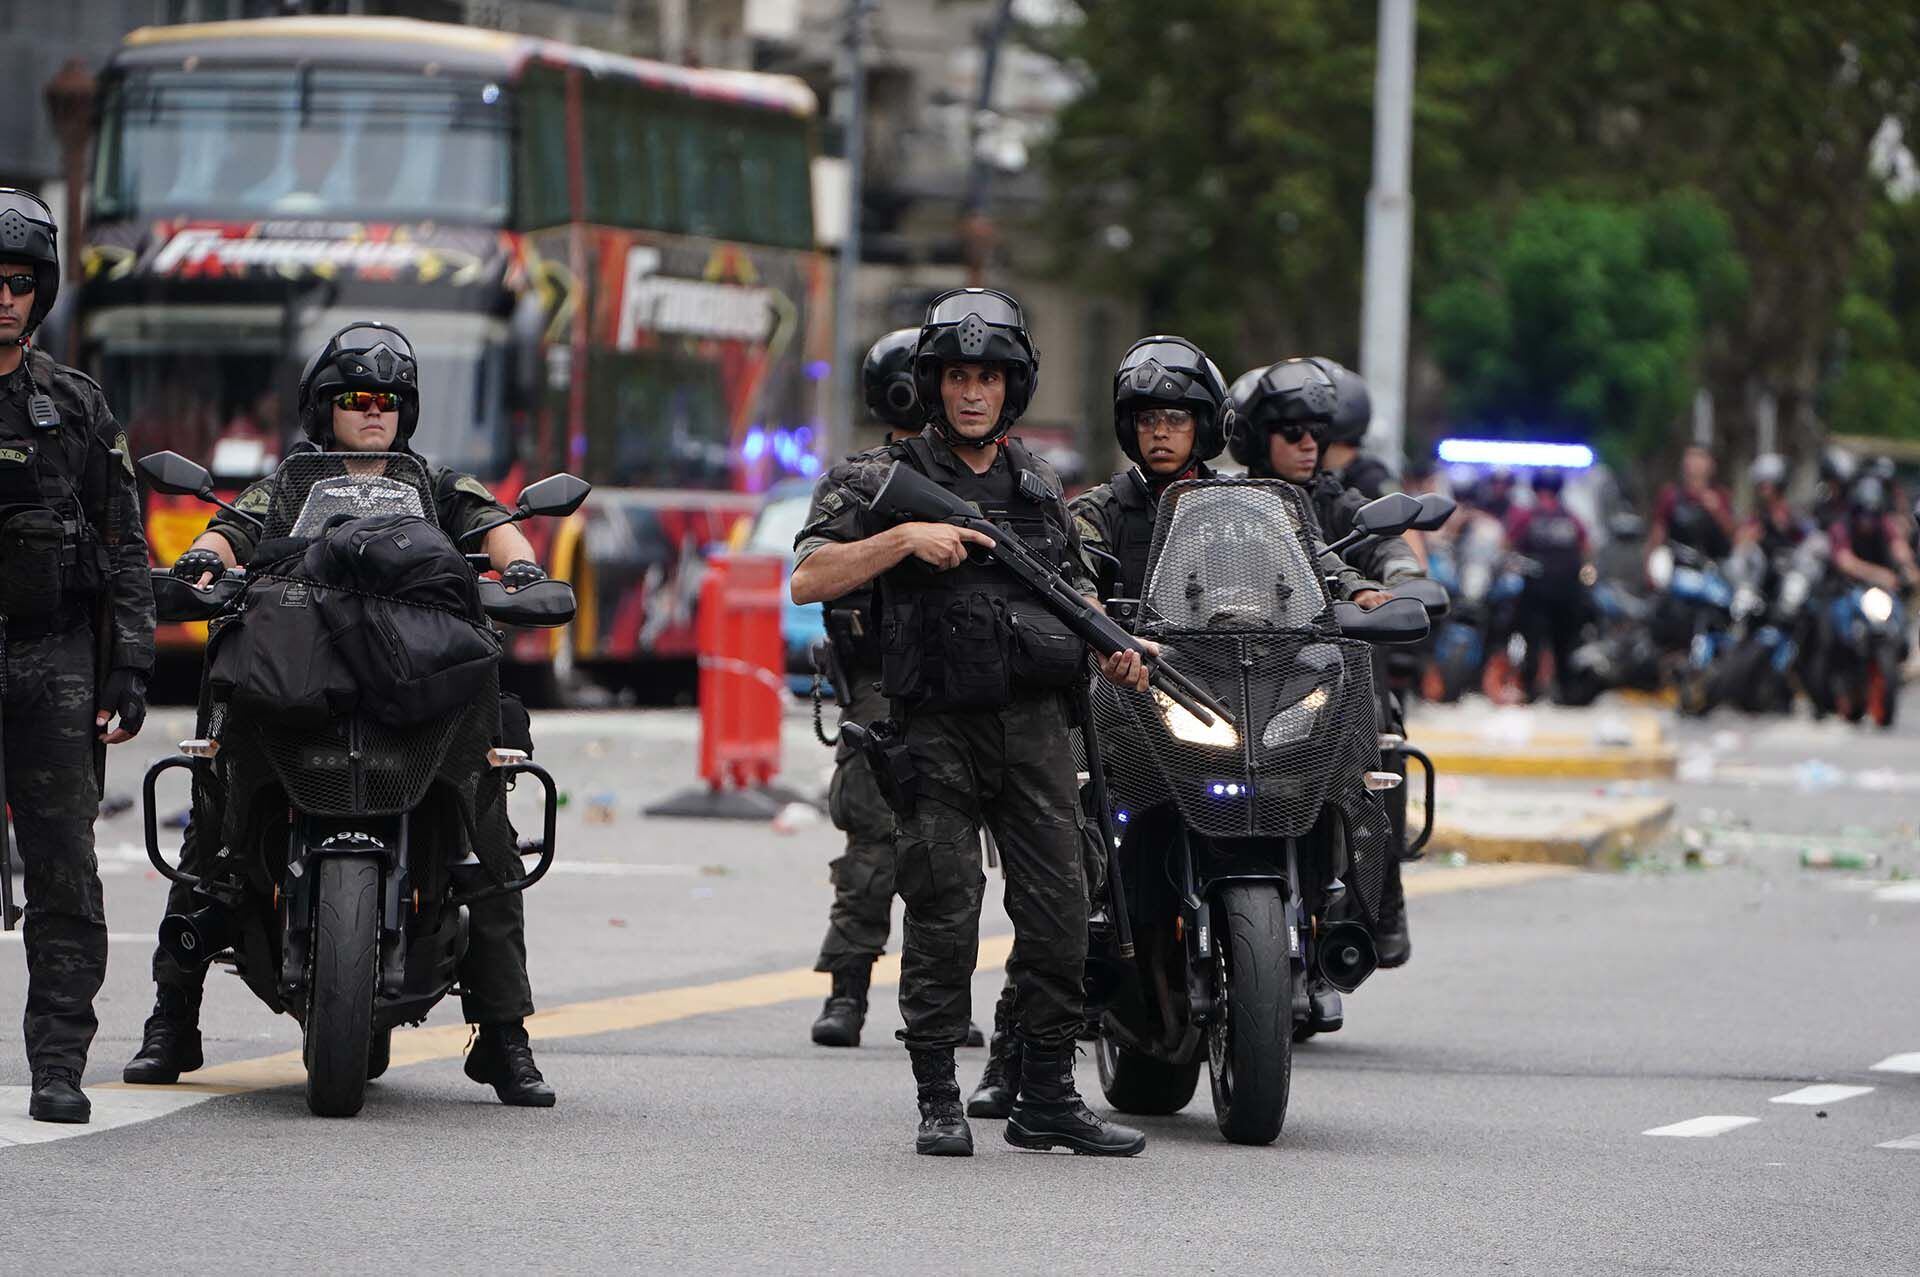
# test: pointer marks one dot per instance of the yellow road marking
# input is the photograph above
(664, 1006)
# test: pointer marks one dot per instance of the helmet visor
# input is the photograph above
(995, 308)
(372, 336)
(28, 206)
(1169, 354)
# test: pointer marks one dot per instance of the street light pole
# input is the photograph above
(1383, 313)
(851, 102)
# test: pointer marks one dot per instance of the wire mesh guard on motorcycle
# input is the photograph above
(1236, 601)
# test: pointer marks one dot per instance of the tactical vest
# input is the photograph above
(1692, 524)
(1132, 532)
(50, 555)
(972, 637)
(1552, 540)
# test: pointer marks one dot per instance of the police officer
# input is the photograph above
(979, 676)
(1553, 604)
(360, 393)
(1282, 416)
(862, 911)
(76, 633)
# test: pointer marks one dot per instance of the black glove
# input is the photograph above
(194, 564)
(125, 696)
(521, 573)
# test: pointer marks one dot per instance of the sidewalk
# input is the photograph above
(1612, 740)
(1504, 820)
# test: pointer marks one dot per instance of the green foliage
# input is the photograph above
(1586, 318)
(1874, 384)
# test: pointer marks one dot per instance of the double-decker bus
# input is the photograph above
(607, 266)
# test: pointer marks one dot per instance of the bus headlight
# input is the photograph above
(1185, 727)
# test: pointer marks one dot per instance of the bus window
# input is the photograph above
(626, 159)
(237, 143)
(657, 420)
(542, 149)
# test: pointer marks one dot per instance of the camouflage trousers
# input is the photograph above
(862, 912)
(1013, 770)
(49, 735)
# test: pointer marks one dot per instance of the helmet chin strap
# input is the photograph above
(955, 439)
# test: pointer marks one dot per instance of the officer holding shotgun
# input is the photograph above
(76, 615)
(979, 676)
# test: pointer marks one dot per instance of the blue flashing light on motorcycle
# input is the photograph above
(1520, 454)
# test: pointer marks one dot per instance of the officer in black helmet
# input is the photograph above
(862, 912)
(360, 394)
(979, 676)
(76, 636)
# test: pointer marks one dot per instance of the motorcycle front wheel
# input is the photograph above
(1250, 1042)
(1883, 689)
(340, 988)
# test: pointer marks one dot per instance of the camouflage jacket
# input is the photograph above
(1389, 560)
(81, 447)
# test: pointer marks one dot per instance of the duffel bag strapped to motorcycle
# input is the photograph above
(278, 657)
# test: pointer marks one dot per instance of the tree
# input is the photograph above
(1584, 319)
(1874, 383)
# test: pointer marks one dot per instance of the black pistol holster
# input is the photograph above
(886, 749)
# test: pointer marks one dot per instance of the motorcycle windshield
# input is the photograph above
(1232, 555)
(313, 490)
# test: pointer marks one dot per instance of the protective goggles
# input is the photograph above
(988, 305)
(367, 400)
(1172, 420)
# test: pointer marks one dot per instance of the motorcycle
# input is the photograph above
(1616, 651)
(1771, 626)
(1692, 620)
(350, 848)
(1254, 847)
(1865, 646)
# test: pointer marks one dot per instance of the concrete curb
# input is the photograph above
(1589, 841)
(1658, 763)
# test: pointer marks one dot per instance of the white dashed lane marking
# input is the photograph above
(1702, 1127)
(1906, 1062)
(1911, 1144)
(110, 1109)
(1827, 1093)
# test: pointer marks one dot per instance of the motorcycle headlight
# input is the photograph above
(1660, 567)
(1185, 727)
(1295, 722)
(1877, 605)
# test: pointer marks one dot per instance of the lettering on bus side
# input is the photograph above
(651, 302)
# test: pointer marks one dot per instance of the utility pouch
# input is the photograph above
(1043, 652)
(886, 749)
(902, 652)
(32, 539)
(973, 646)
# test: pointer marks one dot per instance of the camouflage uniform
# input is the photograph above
(493, 975)
(50, 683)
(1009, 768)
(1389, 560)
(862, 912)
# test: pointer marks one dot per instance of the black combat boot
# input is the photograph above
(502, 1058)
(943, 1127)
(1001, 1080)
(57, 1097)
(846, 1009)
(171, 1044)
(1049, 1112)
(1390, 938)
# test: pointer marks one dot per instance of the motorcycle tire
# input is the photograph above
(1250, 1042)
(1695, 694)
(1139, 1084)
(379, 1053)
(340, 989)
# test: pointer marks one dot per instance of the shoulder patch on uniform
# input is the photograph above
(832, 502)
(255, 499)
(472, 487)
(125, 450)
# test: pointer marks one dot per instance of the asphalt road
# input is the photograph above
(1487, 1107)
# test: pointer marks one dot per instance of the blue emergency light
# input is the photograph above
(1516, 453)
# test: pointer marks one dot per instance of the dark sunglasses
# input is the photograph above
(366, 400)
(21, 285)
(1294, 431)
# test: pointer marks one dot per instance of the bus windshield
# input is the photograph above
(239, 144)
(217, 383)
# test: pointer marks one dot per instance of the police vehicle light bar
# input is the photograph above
(1514, 452)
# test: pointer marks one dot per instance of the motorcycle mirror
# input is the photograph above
(556, 496)
(173, 474)
(1431, 594)
(1387, 516)
(1435, 509)
(1395, 621)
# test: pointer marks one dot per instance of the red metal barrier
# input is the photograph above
(742, 661)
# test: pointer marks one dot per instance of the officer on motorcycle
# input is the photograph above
(1281, 416)
(76, 634)
(1869, 544)
(360, 393)
(981, 675)
(1695, 512)
(1554, 602)
(862, 911)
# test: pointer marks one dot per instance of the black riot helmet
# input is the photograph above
(28, 234)
(886, 375)
(361, 356)
(1293, 390)
(1174, 372)
(975, 326)
(1354, 411)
